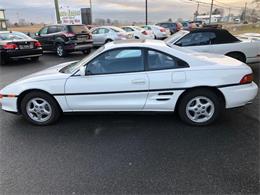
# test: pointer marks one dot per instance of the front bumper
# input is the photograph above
(9, 104)
(239, 95)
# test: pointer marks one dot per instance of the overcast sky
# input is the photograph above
(123, 10)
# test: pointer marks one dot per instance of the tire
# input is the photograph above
(87, 51)
(35, 59)
(238, 56)
(108, 41)
(200, 107)
(60, 50)
(40, 108)
(2, 60)
(137, 37)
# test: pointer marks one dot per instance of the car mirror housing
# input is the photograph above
(82, 71)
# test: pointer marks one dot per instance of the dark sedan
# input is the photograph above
(16, 45)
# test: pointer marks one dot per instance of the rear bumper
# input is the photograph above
(239, 95)
(16, 54)
(70, 47)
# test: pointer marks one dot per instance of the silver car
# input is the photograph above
(105, 34)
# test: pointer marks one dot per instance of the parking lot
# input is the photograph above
(127, 153)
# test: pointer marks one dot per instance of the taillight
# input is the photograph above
(37, 44)
(10, 46)
(1, 96)
(145, 32)
(247, 79)
(68, 34)
(163, 30)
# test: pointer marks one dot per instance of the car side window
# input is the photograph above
(160, 61)
(116, 61)
(127, 29)
(197, 39)
(52, 29)
(103, 31)
(44, 31)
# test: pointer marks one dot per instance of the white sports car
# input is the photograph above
(218, 41)
(134, 75)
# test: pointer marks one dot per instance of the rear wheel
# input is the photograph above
(40, 108)
(108, 40)
(200, 107)
(60, 50)
(2, 60)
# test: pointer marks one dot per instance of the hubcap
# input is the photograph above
(39, 110)
(200, 109)
(60, 50)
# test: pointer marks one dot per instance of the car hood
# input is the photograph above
(52, 73)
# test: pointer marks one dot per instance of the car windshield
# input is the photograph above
(116, 29)
(138, 28)
(172, 39)
(69, 69)
(13, 36)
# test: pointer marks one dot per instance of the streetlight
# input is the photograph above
(90, 5)
(146, 12)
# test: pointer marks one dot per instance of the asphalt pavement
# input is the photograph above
(127, 153)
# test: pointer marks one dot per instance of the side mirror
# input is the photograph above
(82, 71)
(37, 34)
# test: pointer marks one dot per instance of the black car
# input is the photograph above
(16, 45)
(65, 38)
(172, 26)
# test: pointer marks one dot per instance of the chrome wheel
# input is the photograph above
(60, 50)
(39, 110)
(200, 109)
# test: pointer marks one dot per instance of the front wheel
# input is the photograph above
(200, 107)
(40, 108)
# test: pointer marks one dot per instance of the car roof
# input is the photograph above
(209, 30)
(136, 43)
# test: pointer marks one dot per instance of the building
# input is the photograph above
(3, 21)
(205, 18)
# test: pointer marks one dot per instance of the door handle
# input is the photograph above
(138, 81)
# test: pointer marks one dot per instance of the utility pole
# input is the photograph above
(197, 11)
(229, 10)
(91, 14)
(56, 3)
(146, 12)
(210, 13)
(245, 11)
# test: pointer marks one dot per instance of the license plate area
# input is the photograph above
(81, 39)
(26, 46)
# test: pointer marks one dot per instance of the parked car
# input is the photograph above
(16, 45)
(159, 32)
(134, 75)
(218, 41)
(139, 33)
(189, 25)
(172, 26)
(105, 34)
(65, 38)
(249, 36)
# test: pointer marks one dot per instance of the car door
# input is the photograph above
(42, 37)
(100, 36)
(167, 76)
(197, 41)
(115, 81)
